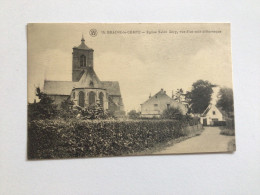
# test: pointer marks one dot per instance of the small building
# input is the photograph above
(212, 114)
(155, 105)
(86, 88)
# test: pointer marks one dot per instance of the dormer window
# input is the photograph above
(213, 112)
(83, 61)
(91, 84)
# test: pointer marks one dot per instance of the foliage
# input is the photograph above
(229, 129)
(200, 95)
(49, 139)
(178, 94)
(133, 114)
(228, 132)
(172, 113)
(225, 101)
(44, 109)
(67, 110)
(95, 111)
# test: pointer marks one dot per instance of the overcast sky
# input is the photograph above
(142, 63)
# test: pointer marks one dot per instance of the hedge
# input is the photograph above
(52, 139)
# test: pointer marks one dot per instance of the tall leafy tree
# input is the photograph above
(200, 95)
(44, 109)
(225, 101)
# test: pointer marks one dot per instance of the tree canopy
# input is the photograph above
(225, 101)
(200, 95)
(44, 109)
(133, 114)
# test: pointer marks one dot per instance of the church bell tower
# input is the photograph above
(82, 60)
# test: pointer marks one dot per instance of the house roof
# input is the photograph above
(159, 94)
(210, 106)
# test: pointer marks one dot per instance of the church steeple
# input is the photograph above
(82, 39)
(82, 60)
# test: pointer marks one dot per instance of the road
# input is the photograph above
(209, 141)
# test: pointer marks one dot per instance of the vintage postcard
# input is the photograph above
(105, 89)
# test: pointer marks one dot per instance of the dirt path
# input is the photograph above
(209, 141)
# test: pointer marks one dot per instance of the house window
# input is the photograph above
(213, 112)
(73, 95)
(168, 106)
(155, 105)
(83, 60)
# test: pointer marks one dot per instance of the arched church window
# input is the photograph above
(101, 99)
(83, 60)
(81, 99)
(92, 98)
(73, 95)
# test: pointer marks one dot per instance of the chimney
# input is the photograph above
(150, 96)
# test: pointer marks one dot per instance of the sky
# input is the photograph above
(142, 63)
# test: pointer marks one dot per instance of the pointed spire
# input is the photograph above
(82, 39)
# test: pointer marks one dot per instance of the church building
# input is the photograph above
(86, 88)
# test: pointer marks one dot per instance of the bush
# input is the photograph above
(230, 124)
(133, 114)
(49, 139)
(228, 132)
(172, 113)
(219, 123)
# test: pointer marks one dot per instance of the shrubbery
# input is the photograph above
(229, 132)
(229, 128)
(49, 139)
(46, 109)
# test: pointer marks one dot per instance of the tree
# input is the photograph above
(200, 96)
(178, 94)
(133, 114)
(172, 113)
(44, 109)
(225, 101)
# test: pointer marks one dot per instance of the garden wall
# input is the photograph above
(48, 139)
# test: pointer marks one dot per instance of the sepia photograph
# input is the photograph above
(129, 89)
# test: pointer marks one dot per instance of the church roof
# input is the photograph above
(58, 87)
(112, 87)
(65, 87)
(83, 45)
(89, 76)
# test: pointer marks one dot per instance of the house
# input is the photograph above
(86, 88)
(212, 114)
(155, 105)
